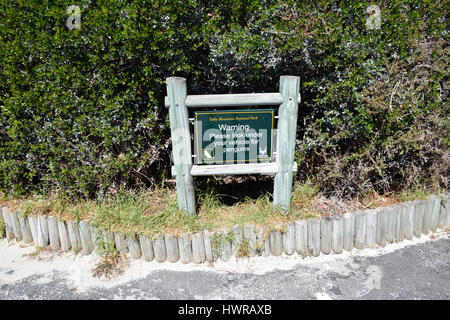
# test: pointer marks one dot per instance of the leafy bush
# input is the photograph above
(82, 110)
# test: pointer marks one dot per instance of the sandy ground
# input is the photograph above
(18, 265)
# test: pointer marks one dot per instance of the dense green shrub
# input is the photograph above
(82, 110)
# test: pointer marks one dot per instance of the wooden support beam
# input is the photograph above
(286, 133)
(270, 168)
(232, 100)
(181, 143)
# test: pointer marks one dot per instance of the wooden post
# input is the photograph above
(326, 235)
(198, 248)
(250, 236)
(42, 230)
(134, 247)
(8, 224)
(286, 133)
(381, 226)
(301, 237)
(313, 225)
(74, 235)
(121, 244)
(146, 247)
(63, 236)
(185, 248)
(263, 242)
(86, 237)
(408, 220)
(276, 243)
(371, 228)
(349, 230)
(338, 234)
(360, 229)
(237, 238)
(181, 143)
(173, 254)
(207, 237)
(16, 225)
(419, 209)
(159, 249)
(26, 230)
(288, 237)
(53, 233)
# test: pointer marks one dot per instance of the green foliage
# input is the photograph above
(81, 111)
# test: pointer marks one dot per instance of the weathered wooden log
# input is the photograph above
(32, 221)
(185, 248)
(121, 243)
(338, 234)
(313, 226)
(53, 233)
(371, 228)
(42, 231)
(326, 233)
(225, 250)
(159, 249)
(436, 206)
(232, 100)
(360, 229)
(408, 220)
(146, 247)
(181, 143)
(264, 169)
(8, 224)
(382, 213)
(2, 225)
(276, 243)
(419, 209)
(198, 248)
(286, 132)
(427, 216)
(207, 239)
(173, 254)
(444, 213)
(64, 237)
(289, 239)
(26, 229)
(16, 226)
(215, 245)
(134, 247)
(96, 239)
(301, 237)
(74, 236)
(86, 237)
(250, 237)
(349, 230)
(399, 233)
(108, 237)
(447, 206)
(238, 236)
(263, 242)
(392, 213)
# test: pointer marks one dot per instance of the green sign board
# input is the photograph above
(233, 136)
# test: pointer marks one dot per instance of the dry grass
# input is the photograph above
(111, 266)
(154, 212)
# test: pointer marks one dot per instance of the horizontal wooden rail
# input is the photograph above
(232, 100)
(233, 169)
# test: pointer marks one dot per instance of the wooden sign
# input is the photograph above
(249, 148)
(233, 136)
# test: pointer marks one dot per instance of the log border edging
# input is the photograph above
(308, 237)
